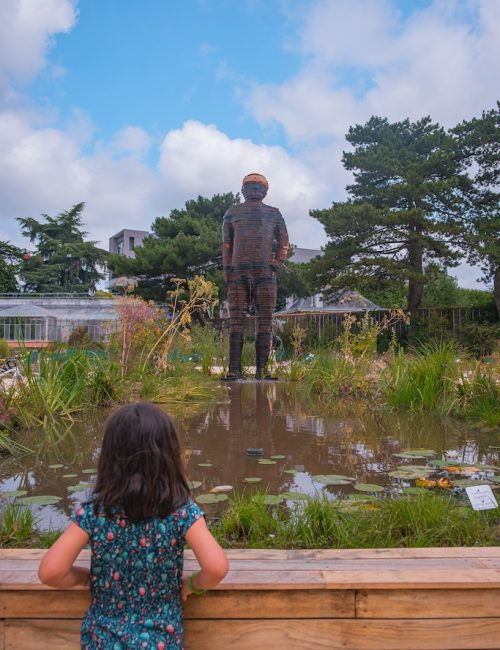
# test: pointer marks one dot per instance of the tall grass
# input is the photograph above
(52, 389)
(416, 521)
(330, 375)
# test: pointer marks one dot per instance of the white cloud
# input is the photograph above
(26, 33)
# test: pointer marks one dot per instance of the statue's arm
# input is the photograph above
(282, 239)
(227, 245)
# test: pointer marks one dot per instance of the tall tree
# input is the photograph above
(63, 261)
(9, 261)
(478, 143)
(186, 243)
(404, 210)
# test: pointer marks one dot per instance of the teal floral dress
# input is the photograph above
(135, 579)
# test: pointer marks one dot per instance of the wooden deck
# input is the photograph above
(390, 599)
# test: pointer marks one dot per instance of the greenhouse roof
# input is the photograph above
(26, 311)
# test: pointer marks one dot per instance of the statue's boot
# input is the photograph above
(262, 350)
(235, 348)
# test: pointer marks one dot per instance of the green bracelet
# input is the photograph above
(192, 589)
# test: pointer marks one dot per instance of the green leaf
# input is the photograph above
(211, 498)
(92, 470)
(39, 500)
(252, 479)
(69, 475)
(495, 479)
(414, 490)
(205, 465)
(278, 457)
(194, 484)
(295, 496)
(290, 471)
(13, 493)
(58, 466)
(409, 474)
(467, 482)
(419, 452)
(266, 461)
(78, 488)
(368, 487)
(268, 499)
(332, 479)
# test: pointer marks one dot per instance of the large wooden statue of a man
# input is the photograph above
(255, 243)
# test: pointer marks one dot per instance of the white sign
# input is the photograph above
(481, 497)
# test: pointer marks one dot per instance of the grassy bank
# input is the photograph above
(250, 521)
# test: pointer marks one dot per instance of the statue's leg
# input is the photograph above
(265, 302)
(237, 302)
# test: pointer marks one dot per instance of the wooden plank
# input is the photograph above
(2, 635)
(432, 603)
(374, 634)
(216, 604)
(42, 635)
(302, 554)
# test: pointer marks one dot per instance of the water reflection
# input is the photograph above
(344, 437)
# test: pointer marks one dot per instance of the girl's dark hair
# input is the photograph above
(140, 470)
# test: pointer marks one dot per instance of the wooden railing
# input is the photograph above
(389, 599)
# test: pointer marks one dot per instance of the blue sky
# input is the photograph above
(135, 107)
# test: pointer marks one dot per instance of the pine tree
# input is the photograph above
(63, 261)
(405, 208)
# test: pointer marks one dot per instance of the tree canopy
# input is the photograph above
(63, 261)
(479, 146)
(186, 243)
(405, 208)
(9, 261)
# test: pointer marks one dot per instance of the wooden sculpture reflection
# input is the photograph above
(255, 243)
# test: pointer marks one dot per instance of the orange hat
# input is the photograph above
(256, 178)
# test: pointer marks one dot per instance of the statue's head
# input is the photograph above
(254, 186)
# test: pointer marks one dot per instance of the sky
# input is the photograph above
(136, 107)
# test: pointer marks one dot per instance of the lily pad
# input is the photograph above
(194, 484)
(266, 461)
(69, 475)
(268, 499)
(467, 482)
(252, 479)
(360, 497)
(47, 500)
(278, 457)
(409, 474)
(414, 490)
(221, 488)
(495, 479)
(290, 471)
(403, 454)
(211, 498)
(439, 463)
(57, 466)
(205, 464)
(78, 488)
(295, 496)
(332, 479)
(91, 470)
(368, 487)
(14, 493)
(419, 452)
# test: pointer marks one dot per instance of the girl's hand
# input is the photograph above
(185, 591)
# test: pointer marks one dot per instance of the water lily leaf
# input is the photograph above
(57, 466)
(467, 482)
(368, 487)
(39, 500)
(78, 488)
(439, 463)
(268, 499)
(332, 479)
(211, 498)
(92, 470)
(221, 488)
(252, 479)
(205, 464)
(14, 493)
(295, 496)
(69, 475)
(414, 490)
(495, 479)
(409, 456)
(278, 457)
(360, 497)
(290, 471)
(194, 484)
(419, 452)
(409, 474)
(266, 461)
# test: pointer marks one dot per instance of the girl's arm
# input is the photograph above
(210, 556)
(56, 568)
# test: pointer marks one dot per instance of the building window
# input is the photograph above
(131, 243)
(119, 247)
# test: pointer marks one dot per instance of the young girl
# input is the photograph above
(138, 520)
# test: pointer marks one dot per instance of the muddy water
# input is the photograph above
(342, 437)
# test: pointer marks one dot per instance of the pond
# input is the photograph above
(300, 438)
